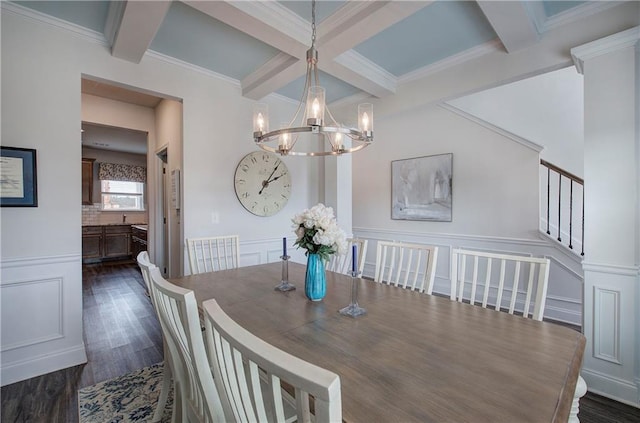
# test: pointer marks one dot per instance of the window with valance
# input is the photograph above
(122, 172)
(122, 186)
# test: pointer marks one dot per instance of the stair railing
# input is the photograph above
(564, 200)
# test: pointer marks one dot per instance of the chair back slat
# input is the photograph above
(342, 263)
(211, 254)
(519, 287)
(178, 314)
(411, 266)
(514, 287)
(487, 283)
(231, 349)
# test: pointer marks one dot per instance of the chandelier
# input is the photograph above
(315, 120)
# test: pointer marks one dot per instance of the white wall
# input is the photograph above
(495, 181)
(169, 129)
(612, 230)
(495, 199)
(41, 71)
(555, 98)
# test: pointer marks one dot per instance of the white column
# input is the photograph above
(612, 210)
(337, 189)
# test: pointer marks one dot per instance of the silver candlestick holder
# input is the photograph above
(284, 284)
(353, 309)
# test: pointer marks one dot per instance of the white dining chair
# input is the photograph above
(211, 254)
(342, 263)
(411, 266)
(504, 282)
(242, 363)
(479, 282)
(167, 375)
(178, 313)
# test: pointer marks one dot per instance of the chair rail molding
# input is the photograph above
(564, 297)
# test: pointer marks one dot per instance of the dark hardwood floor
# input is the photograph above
(122, 334)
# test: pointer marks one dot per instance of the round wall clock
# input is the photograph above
(262, 183)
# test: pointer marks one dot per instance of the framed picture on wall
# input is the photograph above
(18, 182)
(421, 188)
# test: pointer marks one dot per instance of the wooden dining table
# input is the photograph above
(412, 357)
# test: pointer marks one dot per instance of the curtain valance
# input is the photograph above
(122, 172)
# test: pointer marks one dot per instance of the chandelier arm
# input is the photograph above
(314, 125)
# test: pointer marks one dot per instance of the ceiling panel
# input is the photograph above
(88, 14)
(324, 9)
(197, 38)
(335, 89)
(113, 138)
(552, 8)
(429, 35)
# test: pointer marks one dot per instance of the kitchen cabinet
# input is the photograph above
(91, 242)
(138, 239)
(105, 242)
(87, 181)
(117, 240)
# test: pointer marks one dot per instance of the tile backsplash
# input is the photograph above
(92, 215)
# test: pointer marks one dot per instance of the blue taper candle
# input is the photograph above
(284, 246)
(355, 257)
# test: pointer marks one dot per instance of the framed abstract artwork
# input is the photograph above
(421, 188)
(18, 181)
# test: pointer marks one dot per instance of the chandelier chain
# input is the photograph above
(313, 23)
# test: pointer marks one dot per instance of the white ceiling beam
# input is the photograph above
(510, 20)
(256, 85)
(263, 21)
(139, 22)
(362, 73)
(358, 21)
(352, 24)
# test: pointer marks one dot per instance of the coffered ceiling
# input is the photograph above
(366, 48)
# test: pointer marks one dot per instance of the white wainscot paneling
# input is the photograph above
(39, 304)
(606, 324)
(564, 296)
(255, 252)
(41, 314)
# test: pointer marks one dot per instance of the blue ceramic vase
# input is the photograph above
(315, 281)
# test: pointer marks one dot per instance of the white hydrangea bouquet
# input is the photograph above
(318, 232)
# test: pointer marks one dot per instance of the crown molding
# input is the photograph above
(172, 60)
(522, 141)
(605, 45)
(34, 15)
(356, 62)
(544, 23)
(350, 100)
(451, 61)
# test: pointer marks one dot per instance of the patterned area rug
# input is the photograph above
(129, 398)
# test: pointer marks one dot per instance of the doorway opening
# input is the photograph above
(126, 126)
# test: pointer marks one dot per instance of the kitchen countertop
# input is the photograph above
(141, 225)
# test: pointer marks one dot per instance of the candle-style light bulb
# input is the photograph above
(315, 107)
(338, 140)
(260, 120)
(285, 140)
(365, 121)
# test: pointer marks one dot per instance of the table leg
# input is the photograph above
(581, 389)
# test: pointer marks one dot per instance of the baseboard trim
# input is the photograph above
(36, 366)
(613, 388)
